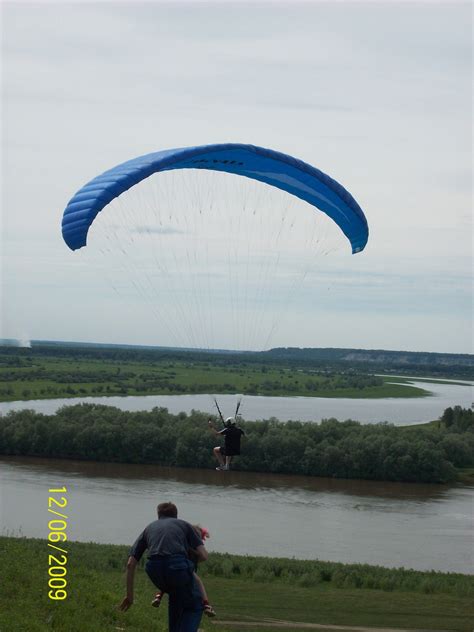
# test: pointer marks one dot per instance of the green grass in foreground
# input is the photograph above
(96, 585)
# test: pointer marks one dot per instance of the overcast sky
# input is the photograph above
(378, 95)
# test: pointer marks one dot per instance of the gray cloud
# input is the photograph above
(376, 94)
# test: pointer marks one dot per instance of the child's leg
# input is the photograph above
(208, 609)
(202, 590)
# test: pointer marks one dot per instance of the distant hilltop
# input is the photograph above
(24, 343)
(374, 356)
(381, 360)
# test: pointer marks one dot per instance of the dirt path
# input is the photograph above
(295, 625)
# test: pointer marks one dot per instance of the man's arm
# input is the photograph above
(201, 553)
(128, 600)
(212, 428)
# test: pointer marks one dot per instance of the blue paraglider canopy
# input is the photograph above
(271, 167)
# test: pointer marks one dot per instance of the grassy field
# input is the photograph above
(426, 380)
(330, 596)
(48, 378)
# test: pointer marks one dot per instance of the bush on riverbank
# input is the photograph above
(312, 573)
(336, 449)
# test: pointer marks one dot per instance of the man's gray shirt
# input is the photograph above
(164, 537)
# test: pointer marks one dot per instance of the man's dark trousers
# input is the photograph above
(173, 574)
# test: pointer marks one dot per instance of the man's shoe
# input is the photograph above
(156, 601)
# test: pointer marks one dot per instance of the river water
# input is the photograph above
(399, 411)
(390, 524)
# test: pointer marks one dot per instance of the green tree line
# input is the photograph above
(332, 448)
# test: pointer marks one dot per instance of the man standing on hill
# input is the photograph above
(168, 541)
(232, 435)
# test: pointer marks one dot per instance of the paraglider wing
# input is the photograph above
(272, 167)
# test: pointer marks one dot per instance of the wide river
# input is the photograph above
(397, 410)
(391, 524)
